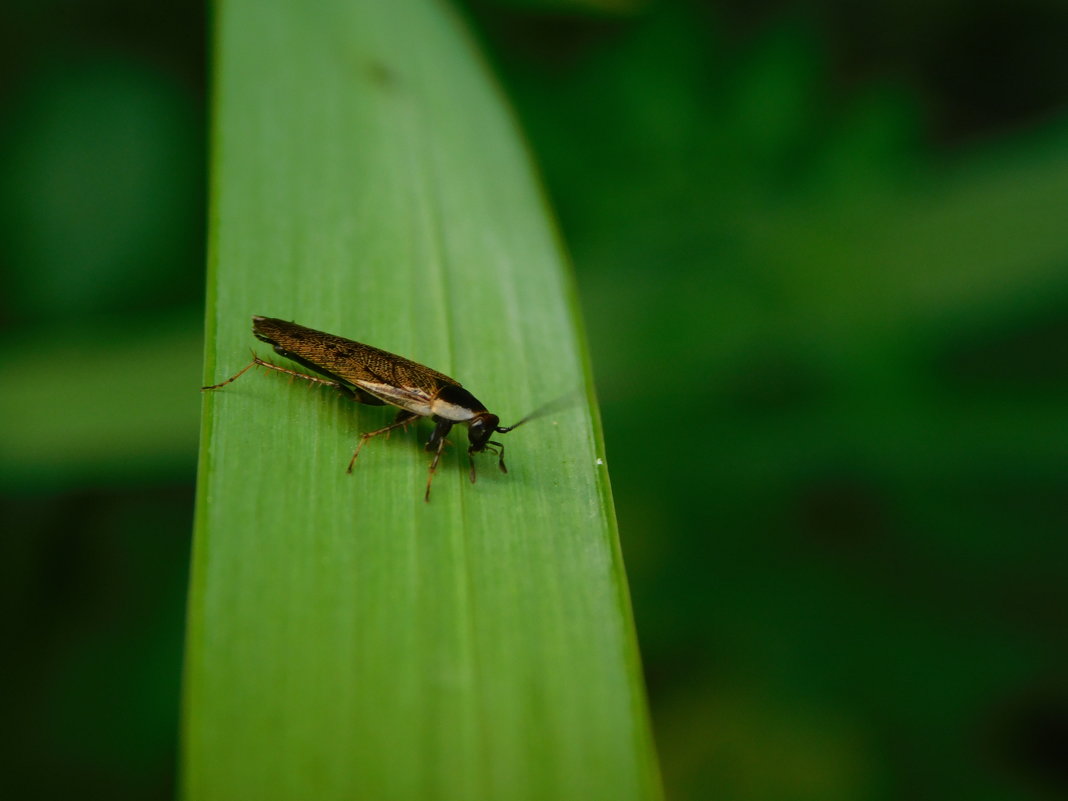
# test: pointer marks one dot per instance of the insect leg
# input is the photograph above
(403, 418)
(440, 431)
(234, 377)
(500, 458)
(500, 455)
(433, 468)
(256, 360)
(436, 443)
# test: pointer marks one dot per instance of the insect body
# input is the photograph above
(375, 377)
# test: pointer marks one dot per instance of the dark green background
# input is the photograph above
(823, 257)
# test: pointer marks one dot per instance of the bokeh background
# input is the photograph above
(823, 256)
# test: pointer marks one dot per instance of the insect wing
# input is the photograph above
(391, 378)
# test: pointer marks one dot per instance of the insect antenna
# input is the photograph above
(552, 406)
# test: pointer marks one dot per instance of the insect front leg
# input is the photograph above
(500, 455)
(402, 419)
(500, 458)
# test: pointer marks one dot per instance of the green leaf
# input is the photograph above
(346, 639)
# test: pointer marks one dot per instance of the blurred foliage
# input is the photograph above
(135, 421)
(100, 221)
(101, 275)
(822, 261)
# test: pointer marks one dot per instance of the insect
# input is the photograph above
(375, 377)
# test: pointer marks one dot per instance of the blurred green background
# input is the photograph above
(823, 257)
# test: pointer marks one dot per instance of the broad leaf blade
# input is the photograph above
(346, 639)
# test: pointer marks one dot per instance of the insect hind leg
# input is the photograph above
(258, 362)
(234, 377)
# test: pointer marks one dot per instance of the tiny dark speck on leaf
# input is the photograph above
(380, 75)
